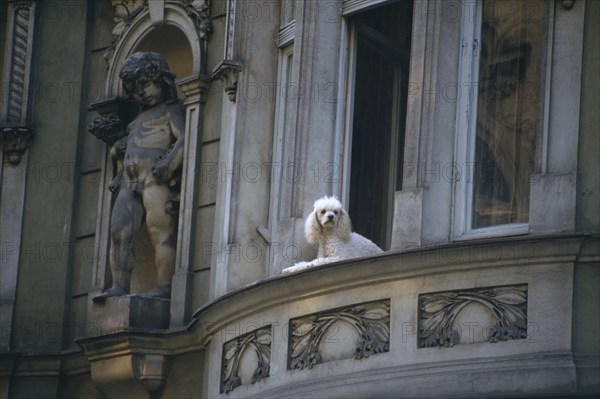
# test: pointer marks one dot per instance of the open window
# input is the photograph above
(379, 52)
(499, 120)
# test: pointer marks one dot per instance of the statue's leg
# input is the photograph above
(127, 218)
(162, 229)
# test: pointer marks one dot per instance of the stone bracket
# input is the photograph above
(151, 370)
(14, 140)
(134, 363)
(131, 375)
(227, 72)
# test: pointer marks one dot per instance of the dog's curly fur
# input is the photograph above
(329, 226)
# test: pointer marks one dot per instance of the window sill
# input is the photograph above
(494, 231)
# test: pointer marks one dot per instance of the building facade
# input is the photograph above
(460, 135)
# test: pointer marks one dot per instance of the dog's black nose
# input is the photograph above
(330, 217)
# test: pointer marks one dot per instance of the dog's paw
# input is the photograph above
(297, 267)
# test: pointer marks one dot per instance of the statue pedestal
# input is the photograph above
(132, 311)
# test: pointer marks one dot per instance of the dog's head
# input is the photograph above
(328, 217)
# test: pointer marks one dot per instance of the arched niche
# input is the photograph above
(172, 43)
(176, 38)
(175, 35)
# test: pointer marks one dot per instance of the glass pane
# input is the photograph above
(508, 114)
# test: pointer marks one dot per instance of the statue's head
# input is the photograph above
(148, 66)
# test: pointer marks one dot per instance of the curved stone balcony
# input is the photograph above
(496, 317)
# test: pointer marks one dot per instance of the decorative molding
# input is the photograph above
(195, 88)
(353, 6)
(14, 140)
(227, 72)
(438, 312)
(199, 11)
(18, 61)
(371, 321)
(230, 28)
(260, 341)
(15, 132)
(131, 29)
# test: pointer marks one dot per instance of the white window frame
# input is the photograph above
(282, 121)
(466, 125)
(346, 107)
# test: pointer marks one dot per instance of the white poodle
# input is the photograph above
(329, 226)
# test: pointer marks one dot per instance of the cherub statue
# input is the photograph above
(147, 179)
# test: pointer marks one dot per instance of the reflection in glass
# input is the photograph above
(508, 114)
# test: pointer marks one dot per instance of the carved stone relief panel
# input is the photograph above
(125, 12)
(454, 317)
(256, 343)
(199, 10)
(307, 338)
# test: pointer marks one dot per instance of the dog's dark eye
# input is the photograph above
(322, 212)
(336, 212)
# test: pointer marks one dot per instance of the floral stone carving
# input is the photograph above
(258, 340)
(125, 12)
(199, 10)
(438, 313)
(370, 320)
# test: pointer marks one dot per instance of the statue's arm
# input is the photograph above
(117, 155)
(173, 159)
(178, 131)
(111, 129)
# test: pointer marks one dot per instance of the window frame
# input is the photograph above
(283, 121)
(347, 75)
(466, 121)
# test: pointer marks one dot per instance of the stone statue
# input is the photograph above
(148, 175)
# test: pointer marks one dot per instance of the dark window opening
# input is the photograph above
(382, 40)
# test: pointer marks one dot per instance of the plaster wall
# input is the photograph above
(588, 176)
(51, 169)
